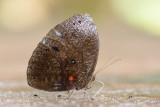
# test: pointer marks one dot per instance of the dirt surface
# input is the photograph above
(19, 94)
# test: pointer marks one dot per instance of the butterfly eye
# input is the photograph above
(73, 62)
(55, 48)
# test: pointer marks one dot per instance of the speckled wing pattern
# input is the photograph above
(66, 58)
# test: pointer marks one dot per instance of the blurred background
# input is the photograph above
(128, 29)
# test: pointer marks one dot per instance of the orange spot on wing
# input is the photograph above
(71, 78)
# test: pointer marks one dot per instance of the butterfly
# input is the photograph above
(66, 57)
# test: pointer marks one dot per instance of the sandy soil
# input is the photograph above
(19, 94)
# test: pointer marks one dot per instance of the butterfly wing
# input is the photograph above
(65, 59)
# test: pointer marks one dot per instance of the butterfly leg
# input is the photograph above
(85, 93)
(91, 94)
(69, 94)
(100, 89)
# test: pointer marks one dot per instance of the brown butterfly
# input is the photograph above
(66, 58)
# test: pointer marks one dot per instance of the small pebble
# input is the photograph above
(102, 95)
(92, 99)
(35, 95)
(59, 96)
(130, 97)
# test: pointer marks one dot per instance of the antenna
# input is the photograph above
(103, 67)
(105, 63)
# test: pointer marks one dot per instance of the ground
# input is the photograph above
(19, 94)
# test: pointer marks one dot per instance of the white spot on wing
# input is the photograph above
(58, 33)
(44, 41)
(58, 84)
